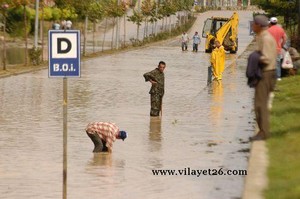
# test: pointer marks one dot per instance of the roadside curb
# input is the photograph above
(256, 181)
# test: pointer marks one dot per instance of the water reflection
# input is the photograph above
(155, 129)
(155, 133)
(101, 159)
(217, 104)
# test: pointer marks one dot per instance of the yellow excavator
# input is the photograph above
(223, 29)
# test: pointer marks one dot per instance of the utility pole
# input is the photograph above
(36, 25)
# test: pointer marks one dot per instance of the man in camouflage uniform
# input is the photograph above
(157, 78)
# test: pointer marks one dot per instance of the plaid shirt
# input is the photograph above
(107, 131)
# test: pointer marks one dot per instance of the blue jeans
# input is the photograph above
(278, 65)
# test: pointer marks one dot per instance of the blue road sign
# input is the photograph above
(64, 53)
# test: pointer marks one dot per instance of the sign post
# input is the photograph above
(64, 61)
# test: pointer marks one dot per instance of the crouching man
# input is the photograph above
(103, 134)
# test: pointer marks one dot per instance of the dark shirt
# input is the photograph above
(158, 77)
(254, 69)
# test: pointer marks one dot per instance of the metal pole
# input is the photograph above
(65, 133)
(36, 27)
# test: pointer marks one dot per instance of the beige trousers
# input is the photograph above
(261, 98)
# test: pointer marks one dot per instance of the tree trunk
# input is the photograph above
(85, 35)
(42, 32)
(4, 43)
(125, 16)
(104, 34)
(94, 30)
(170, 22)
(112, 34)
(26, 37)
(137, 32)
(144, 35)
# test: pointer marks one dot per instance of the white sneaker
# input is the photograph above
(278, 79)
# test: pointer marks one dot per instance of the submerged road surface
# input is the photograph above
(202, 128)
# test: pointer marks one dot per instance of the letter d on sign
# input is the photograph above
(63, 45)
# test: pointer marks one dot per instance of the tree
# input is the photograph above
(147, 9)
(24, 3)
(95, 13)
(288, 9)
(136, 18)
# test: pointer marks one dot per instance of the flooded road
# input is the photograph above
(201, 127)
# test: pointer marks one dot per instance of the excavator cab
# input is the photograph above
(223, 29)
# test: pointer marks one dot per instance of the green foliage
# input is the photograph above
(147, 8)
(288, 9)
(56, 13)
(114, 10)
(165, 35)
(35, 56)
(95, 11)
(168, 8)
(15, 20)
(283, 146)
(136, 18)
(68, 13)
(47, 14)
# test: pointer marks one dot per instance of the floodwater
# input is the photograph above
(202, 127)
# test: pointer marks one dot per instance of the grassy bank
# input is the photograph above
(284, 144)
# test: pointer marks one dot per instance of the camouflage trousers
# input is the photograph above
(156, 103)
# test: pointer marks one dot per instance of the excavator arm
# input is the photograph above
(223, 29)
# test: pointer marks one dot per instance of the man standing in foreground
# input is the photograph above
(103, 134)
(266, 45)
(157, 78)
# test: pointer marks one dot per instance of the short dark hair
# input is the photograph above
(261, 20)
(162, 62)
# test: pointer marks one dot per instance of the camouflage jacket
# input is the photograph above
(159, 77)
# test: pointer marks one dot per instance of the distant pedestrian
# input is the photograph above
(196, 42)
(103, 134)
(157, 79)
(184, 41)
(69, 25)
(280, 37)
(266, 46)
(63, 24)
(56, 25)
(218, 60)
